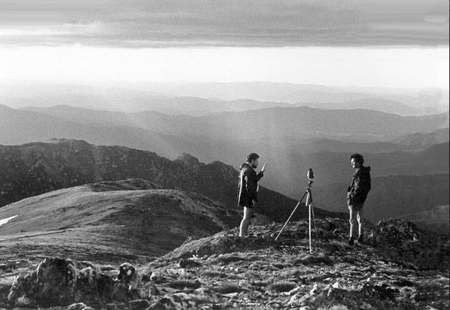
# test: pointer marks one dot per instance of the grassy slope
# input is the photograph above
(109, 221)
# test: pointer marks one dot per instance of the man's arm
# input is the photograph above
(259, 176)
(261, 173)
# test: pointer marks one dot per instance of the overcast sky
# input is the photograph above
(224, 22)
(382, 43)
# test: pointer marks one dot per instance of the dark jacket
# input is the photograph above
(248, 185)
(360, 186)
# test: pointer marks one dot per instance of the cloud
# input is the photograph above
(153, 23)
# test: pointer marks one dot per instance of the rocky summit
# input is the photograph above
(397, 267)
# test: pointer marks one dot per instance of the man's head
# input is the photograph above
(356, 160)
(252, 159)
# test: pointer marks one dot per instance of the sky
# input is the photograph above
(391, 67)
(402, 43)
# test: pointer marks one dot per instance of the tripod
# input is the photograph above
(309, 203)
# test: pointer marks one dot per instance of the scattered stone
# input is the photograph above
(227, 288)
(7, 267)
(257, 275)
(189, 263)
(185, 284)
(282, 286)
(79, 306)
(314, 259)
(139, 304)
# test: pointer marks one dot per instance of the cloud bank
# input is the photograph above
(162, 23)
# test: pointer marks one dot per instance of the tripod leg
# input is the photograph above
(310, 222)
(290, 216)
(309, 204)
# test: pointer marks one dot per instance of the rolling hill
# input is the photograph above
(422, 140)
(36, 168)
(110, 221)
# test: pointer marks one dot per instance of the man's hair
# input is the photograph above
(252, 156)
(358, 158)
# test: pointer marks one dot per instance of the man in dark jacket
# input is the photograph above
(248, 190)
(357, 194)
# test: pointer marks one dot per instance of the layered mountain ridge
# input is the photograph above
(36, 168)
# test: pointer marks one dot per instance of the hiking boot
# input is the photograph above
(351, 241)
(360, 239)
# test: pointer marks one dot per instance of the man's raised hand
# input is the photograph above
(263, 167)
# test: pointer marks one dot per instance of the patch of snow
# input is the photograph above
(6, 220)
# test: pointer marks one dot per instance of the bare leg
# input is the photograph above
(243, 229)
(351, 220)
(359, 219)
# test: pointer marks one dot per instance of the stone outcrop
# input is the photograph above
(223, 271)
(58, 282)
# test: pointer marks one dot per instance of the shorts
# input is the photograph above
(356, 207)
(247, 204)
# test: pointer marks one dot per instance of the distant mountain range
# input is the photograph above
(398, 101)
(264, 125)
(37, 168)
(276, 133)
(205, 98)
(393, 197)
(290, 139)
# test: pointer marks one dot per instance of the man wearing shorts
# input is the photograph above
(357, 194)
(248, 190)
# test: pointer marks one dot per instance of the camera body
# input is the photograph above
(310, 175)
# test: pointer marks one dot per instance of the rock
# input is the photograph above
(183, 284)
(282, 286)
(227, 288)
(229, 258)
(63, 282)
(165, 304)
(382, 291)
(79, 306)
(138, 304)
(52, 283)
(7, 267)
(314, 259)
(338, 307)
(189, 263)
(263, 276)
(127, 273)
(111, 306)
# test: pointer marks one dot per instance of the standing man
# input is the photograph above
(248, 190)
(357, 194)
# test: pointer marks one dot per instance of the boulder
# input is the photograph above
(59, 282)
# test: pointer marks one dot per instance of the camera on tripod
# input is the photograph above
(308, 202)
(310, 175)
